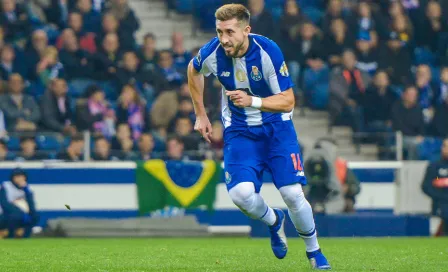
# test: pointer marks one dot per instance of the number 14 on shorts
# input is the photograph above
(297, 162)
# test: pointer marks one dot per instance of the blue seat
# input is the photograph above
(50, 142)
(14, 143)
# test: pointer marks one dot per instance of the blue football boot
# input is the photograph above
(278, 238)
(318, 260)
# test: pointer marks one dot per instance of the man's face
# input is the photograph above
(84, 5)
(16, 84)
(445, 149)
(165, 60)
(75, 22)
(110, 24)
(349, 60)
(381, 80)
(363, 45)
(335, 7)
(8, 54)
(102, 148)
(423, 73)
(232, 35)
(8, 5)
(410, 96)
(20, 181)
(60, 88)
(256, 6)
(110, 43)
(149, 44)
(130, 61)
(184, 127)
(146, 143)
(28, 147)
(307, 31)
(444, 75)
(123, 131)
(78, 147)
(3, 151)
(40, 40)
(175, 149)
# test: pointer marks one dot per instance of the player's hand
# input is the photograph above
(204, 127)
(240, 98)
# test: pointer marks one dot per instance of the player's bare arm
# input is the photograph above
(281, 102)
(196, 87)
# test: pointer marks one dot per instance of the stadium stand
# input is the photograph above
(118, 70)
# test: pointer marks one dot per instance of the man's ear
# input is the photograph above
(247, 30)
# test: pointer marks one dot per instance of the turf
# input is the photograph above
(218, 254)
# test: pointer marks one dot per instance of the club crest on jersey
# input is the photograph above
(198, 57)
(228, 177)
(284, 70)
(256, 74)
(241, 75)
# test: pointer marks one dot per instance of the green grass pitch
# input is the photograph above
(218, 254)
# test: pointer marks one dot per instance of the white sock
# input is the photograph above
(251, 203)
(301, 215)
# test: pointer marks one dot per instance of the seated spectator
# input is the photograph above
(76, 61)
(15, 21)
(4, 155)
(430, 27)
(180, 55)
(106, 60)
(403, 27)
(86, 39)
(95, 114)
(439, 125)
(175, 149)
(131, 110)
(184, 129)
(128, 22)
(145, 148)
(39, 43)
(102, 150)
(366, 21)
(8, 63)
(378, 104)
(74, 150)
(261, 19)
(398, 71)
(174, 77)
(49, 66)
(90, 17)
(426, 91)
(186, 109)
(334, 11)
(407, 117)
(20, 110)
(366, 54)
(28, 150)
(57, 114)
(56, 13)
(122, 142)
(347, 89)
(110, 25)
(435, 185)
(148, 54)
(17, 203)
(336, 40)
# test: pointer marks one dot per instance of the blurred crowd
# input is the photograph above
(68, 66)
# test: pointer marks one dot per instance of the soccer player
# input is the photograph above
(257, 105)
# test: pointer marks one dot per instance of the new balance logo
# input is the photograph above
(300, 174)
(225, 74)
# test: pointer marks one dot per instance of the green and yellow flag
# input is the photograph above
(179, 184)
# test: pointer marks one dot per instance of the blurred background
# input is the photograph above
(95, 109)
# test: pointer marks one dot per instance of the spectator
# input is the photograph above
(8, 63)
(347, 89)
(17, 203)
(15, 21)
(334, 11)
(56, 111)
(28, 150)
(378, 103)
(427, 95)
(366, 54)
(407, 117)
(74, 150)
(106, 60)
(439, 126)
(21, 111)
(148, 54)
(128, 22)
(366, 22)
(261, 19)
(128, 73)
(95, 114)
(122, 142)
(175, 149)
(430, 27)
(180, 55)
(403, 27)
(90, 17)
(86, 39)
(145, 147)
(435, 185)
(39, 43)
(185, 108)
(57, 13)
(102, 150)
(336, 40)
(398, 71)
(131, 110)
(4, 155)
(184, 129)
(174, 77)
(49, 66)
(442, 90)
(111, 25)
(308, 44)
(76, 61)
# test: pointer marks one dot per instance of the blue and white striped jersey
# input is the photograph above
(261, 72)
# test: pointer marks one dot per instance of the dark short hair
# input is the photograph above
(101, 138)
(176, 138)
(77, 138)
(233, 11)
(26, 138)
(149, 35)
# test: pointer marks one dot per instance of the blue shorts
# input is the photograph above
(249, 151)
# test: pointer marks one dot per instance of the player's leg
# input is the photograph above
(285, 162)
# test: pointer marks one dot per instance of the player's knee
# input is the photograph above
(242, 194)
(293, 196)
